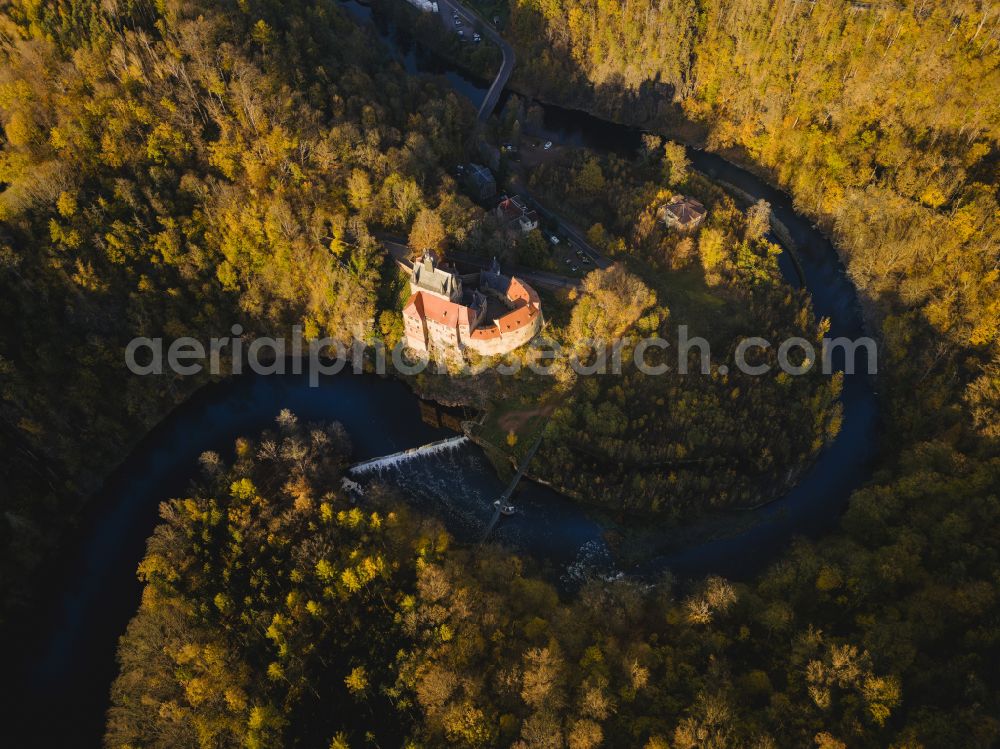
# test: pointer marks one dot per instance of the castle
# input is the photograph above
(442, 317)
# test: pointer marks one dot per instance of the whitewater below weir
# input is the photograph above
(396, 460)
(452, 479)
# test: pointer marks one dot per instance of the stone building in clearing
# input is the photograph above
(442, 317)
(683, 213)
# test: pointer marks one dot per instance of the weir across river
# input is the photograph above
(390, 461)
(432, 448)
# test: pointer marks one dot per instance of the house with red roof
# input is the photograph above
(515, 213)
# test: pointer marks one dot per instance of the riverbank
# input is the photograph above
(695, 136)
(70, 523)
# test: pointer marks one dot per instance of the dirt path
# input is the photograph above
(514, 421)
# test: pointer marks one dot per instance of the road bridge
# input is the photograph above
(449, 7)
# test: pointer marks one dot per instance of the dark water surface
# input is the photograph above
(415, 57)
(68, 663)
(69, 659)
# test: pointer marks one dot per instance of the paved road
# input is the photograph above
(476, 22)
(578, 236)
(538, 278)
(449, 7)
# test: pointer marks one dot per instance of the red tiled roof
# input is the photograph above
(488, 332)
(430, 307)
(414, 306)
(515, 320)
(520, 291)
(509, 210)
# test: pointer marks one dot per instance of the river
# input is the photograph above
(69, 661)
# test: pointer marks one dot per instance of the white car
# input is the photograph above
(548, 145)
(553, 239)
(476, 38)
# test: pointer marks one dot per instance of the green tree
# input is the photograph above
(428, 232)
(676, 161)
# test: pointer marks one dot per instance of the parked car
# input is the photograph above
(566, 260)
(586, 260)
(548, 145)
(574, 268)
(458, 21)
(476, 38)
(553, 239)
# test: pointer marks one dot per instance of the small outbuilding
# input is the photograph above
(480, 181)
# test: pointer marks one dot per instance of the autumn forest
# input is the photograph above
(178, 167)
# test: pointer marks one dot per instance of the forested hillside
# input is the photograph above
(173, 169)
(885, 633)
(673, 445)
(881, 119)
(883, 122)
(279, 613)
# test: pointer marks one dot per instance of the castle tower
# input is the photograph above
(427, 276)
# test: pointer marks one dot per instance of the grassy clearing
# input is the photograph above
(691, 302)
(523, 416)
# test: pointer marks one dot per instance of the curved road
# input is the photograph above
(572, 231)
(448, 7)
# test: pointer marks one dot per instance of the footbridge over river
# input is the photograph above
(501, 504)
